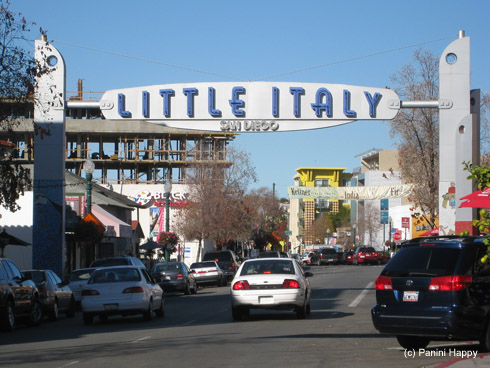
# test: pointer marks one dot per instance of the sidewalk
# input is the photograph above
(481, 360)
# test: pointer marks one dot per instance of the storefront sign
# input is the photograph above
(250, 106)
(352, 193)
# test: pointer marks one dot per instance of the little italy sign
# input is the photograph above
(250, 106)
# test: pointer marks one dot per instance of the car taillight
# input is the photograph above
(241, 285)
(233, 266)
(384, 283)
(133, 290)
(290, 284)
(450, 283)
(89, 292)
(179, 276)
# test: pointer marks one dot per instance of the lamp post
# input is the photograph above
(354, 227)
(89, 167)
(328, 236)
(167, 188)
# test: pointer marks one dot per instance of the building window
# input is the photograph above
(322, 182)
(334, 206)
(321, 204)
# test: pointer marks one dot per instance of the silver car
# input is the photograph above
(270, 283)
(208, 272)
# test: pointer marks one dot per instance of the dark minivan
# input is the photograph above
(227, 261)
(435, 289)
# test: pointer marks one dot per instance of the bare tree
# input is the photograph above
(417, 133)
(16, 83)
(217, 208)
(370, 223)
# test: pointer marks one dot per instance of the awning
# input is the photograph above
(478, 199)
(434, 231)
(122, 229)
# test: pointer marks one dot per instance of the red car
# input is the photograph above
(348, 257)
(365, 255)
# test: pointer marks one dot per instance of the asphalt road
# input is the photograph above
(198, 331)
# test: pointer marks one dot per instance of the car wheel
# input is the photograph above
(239, 313)
(54, 313)
(36, 313)
(161, 311)
(308, 308)
(148, 315)
(301, 311)
(194, 290)
(8, 317)
(70, 313)
(413, 342)
(187, 289)
(485, 338)
(88, 318)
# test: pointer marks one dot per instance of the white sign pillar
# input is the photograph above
(459, 135)
(48, 246)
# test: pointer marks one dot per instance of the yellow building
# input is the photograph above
(310, 209)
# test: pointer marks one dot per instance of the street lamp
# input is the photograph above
(328, 236)
(167, 187)
(89, 167)
(354, 233)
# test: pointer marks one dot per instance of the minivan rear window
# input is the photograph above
(422, 262)
(220, 256)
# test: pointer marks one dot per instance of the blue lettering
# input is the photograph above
(275, 102)
(347, 111)
(296, 92)
(121, 104)
(146, 104)
(236, 103)
(190, 92)
(212, 103)
(319, 107)
(166, 93)
(373, 102)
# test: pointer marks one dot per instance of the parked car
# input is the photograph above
(121, 290)
(311, 258)
(175, 276)
(435, 289)
(19, 297)
(328, 256)
(54, 294)
(117, 261)
(270, 283)
(269, 254)
(227, 261)
(208, 272)
(77, 279)
(348, 257)
(365, 255)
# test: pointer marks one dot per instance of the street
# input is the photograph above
(198, 331)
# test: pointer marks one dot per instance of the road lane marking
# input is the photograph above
(140, 339)
(361, 296)
(190, 322)
(67, 365)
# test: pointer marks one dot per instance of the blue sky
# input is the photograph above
(360, 43)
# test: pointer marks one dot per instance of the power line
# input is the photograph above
(260, 79)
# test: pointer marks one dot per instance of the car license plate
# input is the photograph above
(410, 296)
(266, 300)
(111, 307)
(167, 277)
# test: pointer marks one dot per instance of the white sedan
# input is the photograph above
(121, 290)
(270, 283)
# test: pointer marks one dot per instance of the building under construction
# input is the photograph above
(124, 152)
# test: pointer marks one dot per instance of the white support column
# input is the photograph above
(457, 135)
(48, 248)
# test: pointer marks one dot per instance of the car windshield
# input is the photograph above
(218, 257)
(203, 265)
(81, 275)
(167, 267)
(268, 267)
(114, 275)
(422, 262)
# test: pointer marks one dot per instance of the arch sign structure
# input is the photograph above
(247, 107)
